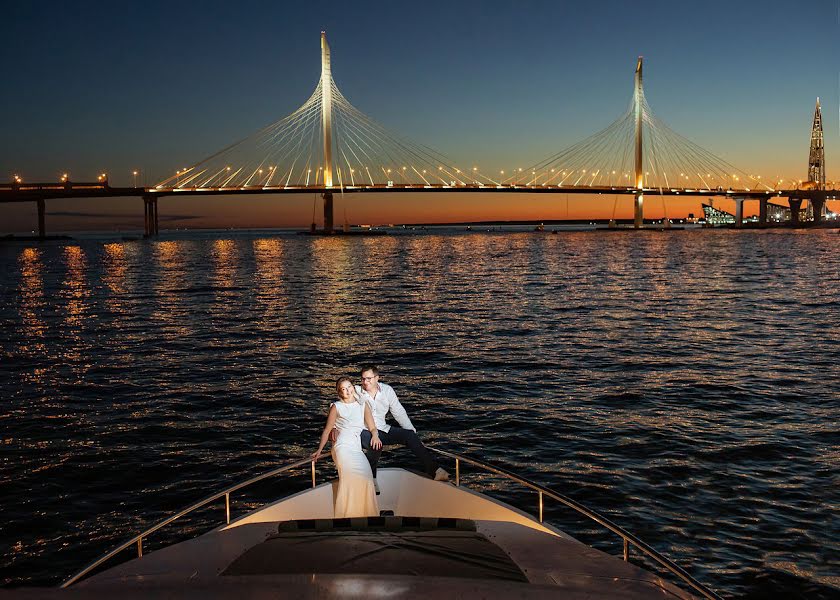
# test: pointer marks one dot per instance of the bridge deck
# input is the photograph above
(44, 191)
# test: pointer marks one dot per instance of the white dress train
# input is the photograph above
(356, 496)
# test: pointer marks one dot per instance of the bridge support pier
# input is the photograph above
(739, 212)
(42, 228)
(817, 205)
(151, 216)
(639, 211)
(762, 212)
(795, 206)
(328, 212)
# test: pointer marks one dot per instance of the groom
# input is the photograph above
(382, 400)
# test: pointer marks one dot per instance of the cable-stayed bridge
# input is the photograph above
(327, 146)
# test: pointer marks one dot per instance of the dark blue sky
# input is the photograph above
(114, 86)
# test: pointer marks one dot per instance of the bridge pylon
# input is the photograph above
(326, 128)
(638, 212)
(326, 109)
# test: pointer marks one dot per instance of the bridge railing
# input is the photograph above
(64, 185)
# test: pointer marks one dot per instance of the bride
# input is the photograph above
(356, 496)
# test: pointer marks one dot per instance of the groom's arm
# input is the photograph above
(398, 412)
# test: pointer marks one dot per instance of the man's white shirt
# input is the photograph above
(385, 401)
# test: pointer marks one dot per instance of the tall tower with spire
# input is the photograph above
(816, 161)
(816, 157)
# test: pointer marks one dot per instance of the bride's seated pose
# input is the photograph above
(356, 495)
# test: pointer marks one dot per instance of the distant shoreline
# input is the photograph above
(132, 235)
(530, 222)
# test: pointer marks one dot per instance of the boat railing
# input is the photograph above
(138, 539)
(629, 540)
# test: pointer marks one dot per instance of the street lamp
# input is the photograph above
(135, 177)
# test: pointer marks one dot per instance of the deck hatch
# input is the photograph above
(416, 550)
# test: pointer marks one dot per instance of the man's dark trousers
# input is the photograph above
(397, 436)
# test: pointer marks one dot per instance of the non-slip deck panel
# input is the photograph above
(449, 552)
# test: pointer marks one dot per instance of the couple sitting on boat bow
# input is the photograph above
(356, 421)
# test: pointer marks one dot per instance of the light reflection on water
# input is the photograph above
(331, 309)
(75, 287)
(685, 384)
(31, 299)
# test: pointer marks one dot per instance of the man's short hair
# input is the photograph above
(369, 367)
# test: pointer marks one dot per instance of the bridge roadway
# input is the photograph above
(40, 192)
(37, 191)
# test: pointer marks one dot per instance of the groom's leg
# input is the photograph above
(371, 454)
(406, 437)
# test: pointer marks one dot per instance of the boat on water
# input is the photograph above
(432, 539)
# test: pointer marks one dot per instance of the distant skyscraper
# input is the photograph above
(816, 157)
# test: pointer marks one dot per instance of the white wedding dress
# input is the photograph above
(356, 496)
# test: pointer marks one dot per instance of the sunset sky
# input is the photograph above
(155, 86)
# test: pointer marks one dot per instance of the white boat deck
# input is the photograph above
(552, 562)
(404, 493)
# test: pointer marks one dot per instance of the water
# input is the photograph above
(686, 384)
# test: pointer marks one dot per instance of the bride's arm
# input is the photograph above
(371, 425)
(326, 433)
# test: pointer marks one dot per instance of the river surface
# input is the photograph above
(686, 384)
